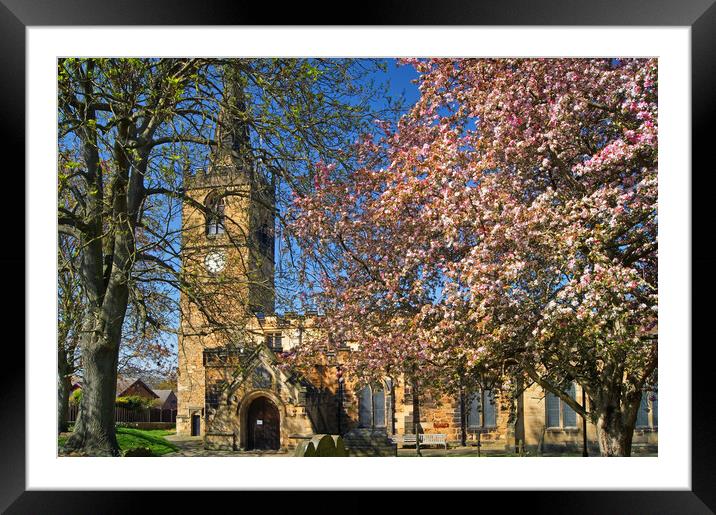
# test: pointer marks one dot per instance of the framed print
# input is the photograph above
(660, 56)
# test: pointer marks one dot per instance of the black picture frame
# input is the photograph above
(699, 15)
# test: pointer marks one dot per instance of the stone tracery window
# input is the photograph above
(482, 411)
(559, 414)
(371, 407)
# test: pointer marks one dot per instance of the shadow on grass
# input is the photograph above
(128, 438)
(132, 438)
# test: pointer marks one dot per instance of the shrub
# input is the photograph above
(76, 397)
(134, 402)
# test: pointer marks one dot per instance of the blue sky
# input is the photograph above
(400, 78)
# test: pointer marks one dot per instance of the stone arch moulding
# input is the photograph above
(243, 412)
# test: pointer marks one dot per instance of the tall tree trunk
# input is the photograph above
(614, 438)
(94, 432)
(64, 384)
(615, 426)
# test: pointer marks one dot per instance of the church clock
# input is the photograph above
(215, 261)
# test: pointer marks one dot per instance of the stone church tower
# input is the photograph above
(227, 252)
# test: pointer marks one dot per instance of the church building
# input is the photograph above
(232, 390)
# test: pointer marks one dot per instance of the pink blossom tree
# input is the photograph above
(509, 222)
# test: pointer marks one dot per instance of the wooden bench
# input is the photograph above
(433, 439)
(425, 439)
(403, 439)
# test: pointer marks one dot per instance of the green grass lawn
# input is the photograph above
(152, 439)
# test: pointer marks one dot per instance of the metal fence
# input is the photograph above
(134, 415)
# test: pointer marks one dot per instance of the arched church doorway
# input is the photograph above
(264, 425)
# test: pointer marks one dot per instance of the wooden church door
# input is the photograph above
(264, 425)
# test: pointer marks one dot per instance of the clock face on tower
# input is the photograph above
(215, 261)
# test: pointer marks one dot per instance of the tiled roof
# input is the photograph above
(125, 382)
(163, 394)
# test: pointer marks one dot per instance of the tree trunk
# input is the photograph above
(64, 384)
(613, 434)
(94, 432)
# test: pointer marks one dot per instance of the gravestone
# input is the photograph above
(340, 447)
(321, 446)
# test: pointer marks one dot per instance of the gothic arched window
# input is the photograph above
(371, 407)
(482, 411)
(215, 214)
(559, 414)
